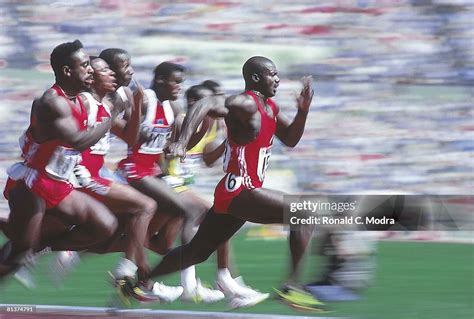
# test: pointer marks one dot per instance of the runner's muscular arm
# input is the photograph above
(65, 127)
(199, 134)
(290, 133)
(243, 121)
(196, 137)
(128, 128)
(213, 106)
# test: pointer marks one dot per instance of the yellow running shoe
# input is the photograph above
(298, 298)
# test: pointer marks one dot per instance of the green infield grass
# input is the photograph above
(413, 280)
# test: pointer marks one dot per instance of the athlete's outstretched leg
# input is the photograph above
(213, 231)
(265, 206)
(298, 241)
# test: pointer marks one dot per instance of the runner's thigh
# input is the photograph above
(261, 205)
(125, 199)
(80, 208)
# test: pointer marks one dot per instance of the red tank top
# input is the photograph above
(93, 157)
(54, 156)
(250, 161)
(158, 121)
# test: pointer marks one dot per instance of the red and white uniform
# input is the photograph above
(143, 156)
(48, 165)
(245, 165)
(87, 172)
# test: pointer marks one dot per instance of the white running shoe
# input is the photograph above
(202, 294)
(167, 293)
(62, 266)
(247, 301)
(25, 276)
(235, 287)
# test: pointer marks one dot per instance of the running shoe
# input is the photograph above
(299, 298)
(247, 301)
(239, 293)
(203, 294)
(61, 266)
(26, 272)
(24, 275)
(128, 289)
(159, 292)
(167, 293)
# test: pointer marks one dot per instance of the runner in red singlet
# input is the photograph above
(51, 147)
(252, 120)
(180, 175)
(141, 170)
(136, 208)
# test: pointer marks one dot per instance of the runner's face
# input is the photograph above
(269, 80)
(123, 69)
(104, 77)
(81, 71)
(172, 85)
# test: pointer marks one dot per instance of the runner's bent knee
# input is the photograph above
(142, 204)
(148, 205)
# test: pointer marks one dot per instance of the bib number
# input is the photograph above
(62, 163)
(232, 182)
(83, 176)
(156, 142)
(263, 160)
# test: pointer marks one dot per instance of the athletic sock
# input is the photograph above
(188, 278)
(223, 274)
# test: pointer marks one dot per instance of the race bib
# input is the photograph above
(232, 182)
(263, 160)
(157, 141)
(83, 176)
(62, 163)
